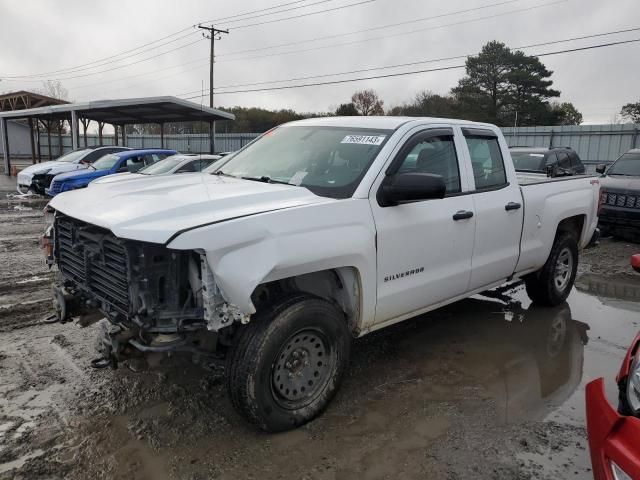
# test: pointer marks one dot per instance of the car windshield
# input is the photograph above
(74, 156)
(627, 164)
(163, 166)
(528, 161)
(329, 161)
(105, 163)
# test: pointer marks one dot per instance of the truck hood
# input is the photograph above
(154, 209)
(621, 184)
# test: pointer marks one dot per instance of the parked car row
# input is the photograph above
(79, 168)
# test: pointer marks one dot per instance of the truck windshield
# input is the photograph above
(627, 164)
(528, 161)
(329, 161)
(163, 166)
(106, 162)
(74, 156)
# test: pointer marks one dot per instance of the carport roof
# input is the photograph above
(126, 111)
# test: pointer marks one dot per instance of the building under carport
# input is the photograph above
(119, 113)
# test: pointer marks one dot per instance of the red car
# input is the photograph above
(614, 435)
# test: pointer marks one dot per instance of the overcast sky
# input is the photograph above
(40, 36)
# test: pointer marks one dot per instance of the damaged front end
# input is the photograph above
(155, 299)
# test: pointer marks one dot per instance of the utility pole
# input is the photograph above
(213, 35)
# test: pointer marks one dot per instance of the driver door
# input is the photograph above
(424, 248)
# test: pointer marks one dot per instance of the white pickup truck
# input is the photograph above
(319, 231)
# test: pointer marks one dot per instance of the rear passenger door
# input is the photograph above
(498, 207)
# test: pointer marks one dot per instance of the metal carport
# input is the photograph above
(158, 110)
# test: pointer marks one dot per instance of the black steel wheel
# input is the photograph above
(286, 365)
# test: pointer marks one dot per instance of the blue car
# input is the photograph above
(127, 161)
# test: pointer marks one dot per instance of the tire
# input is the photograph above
(286, 365)
(549, 286)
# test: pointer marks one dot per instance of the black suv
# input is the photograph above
(620, 197)
(555, 162)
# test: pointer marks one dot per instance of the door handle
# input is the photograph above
(512, 206)
(462, 215)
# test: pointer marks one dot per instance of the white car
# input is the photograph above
(179, 163)
(37, 178)
(319, 231)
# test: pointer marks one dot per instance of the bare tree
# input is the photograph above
(367, 102)
(54, 89)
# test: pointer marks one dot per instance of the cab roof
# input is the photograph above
(377, 122)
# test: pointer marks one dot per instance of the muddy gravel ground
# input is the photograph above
(490, 387)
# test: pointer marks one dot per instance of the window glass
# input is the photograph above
(627, 164)
(329, 161)
(552, 159)
(487, 162)
(106, 162)
(73, 157)
(188, 167)
(528, 161)
(563, 160)
(435, 155)
(573, 158)
(135, 163)
(95, 155)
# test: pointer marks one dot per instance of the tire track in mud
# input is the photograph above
(25, 279)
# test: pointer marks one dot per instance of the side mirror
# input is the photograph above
(410, 187)
(552, 170)
(601, 168)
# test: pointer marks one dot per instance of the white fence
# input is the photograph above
(186, 143)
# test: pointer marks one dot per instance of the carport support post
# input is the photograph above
(124, 135)
(115, 135)
(212, 137)
(74, 130)
(33, 143)
(4, 137)
(161, 135)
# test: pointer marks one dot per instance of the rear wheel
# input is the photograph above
(552, 284)
(287, 364)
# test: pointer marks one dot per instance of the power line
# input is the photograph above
(415, 72)
(390, 25)
(269, 13)
(42, 75)
(120, 54)
(419, 62)
(355, 32)
(304, 14)
(410, 32)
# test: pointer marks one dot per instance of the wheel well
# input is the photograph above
(341, 286)
(572, 225)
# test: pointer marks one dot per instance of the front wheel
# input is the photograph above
(288, 362)
(552, 284)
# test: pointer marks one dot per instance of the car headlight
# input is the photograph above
(633, 385)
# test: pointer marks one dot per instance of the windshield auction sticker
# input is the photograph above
(364, 139)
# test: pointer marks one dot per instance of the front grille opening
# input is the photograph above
(161, 289)
(94, 259)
